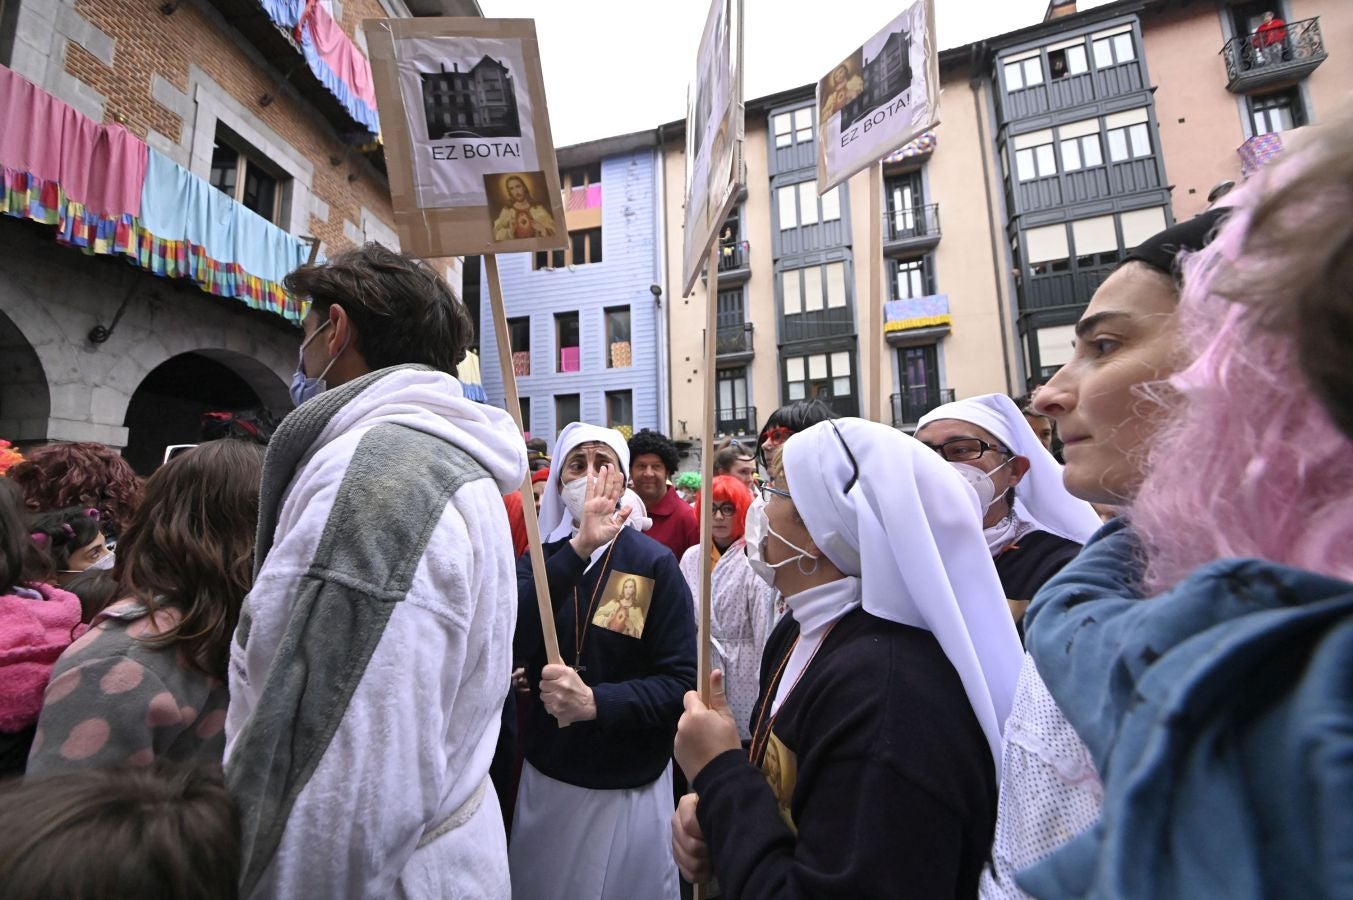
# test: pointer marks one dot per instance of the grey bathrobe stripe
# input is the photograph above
(394, 491)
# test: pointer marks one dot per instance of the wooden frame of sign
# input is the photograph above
(879, 97)
(470, 176)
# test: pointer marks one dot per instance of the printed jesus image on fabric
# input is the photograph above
(516, 205)
(624, 605)
(480, 102)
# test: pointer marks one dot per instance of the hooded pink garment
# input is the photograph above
(33, 633)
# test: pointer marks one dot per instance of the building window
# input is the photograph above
(1034, 156)
(1128, 142)
(729, 308)
(1081, 152)
(1024, 73)
(1067, 61)
(618, 346)
(814, 288)
(519, 335)
(800, 205)
(567, 410)
(620, 411)
(1112, 50)
(580, 176)
(550, 259)
(246, 178)
(823, 376)
(567, 345)
(584, 247)
(524, 405)
(1280, 111)
(731, 412)
(912, 278)
(793, 127)
(919, 380)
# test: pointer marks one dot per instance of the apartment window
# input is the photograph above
(620, 410)
(1034, 156)
(519, 337)
(524, 405)
(618, 347)
(1067, 60)
(550, 259)
(567, 345)
(919, 379)
(567, 409)
(245, 177)
(580, 176)
(822, 376)
(1024, 73)
(1128, 142)
(1280, 111)
(730, 309)
(1113, 49)
(912, 278)
(1081, 152)
(800, 205)
(794, 127)
(1096, 242)
(584, 247)
(730, 401)
(1047, 250)
(813, 288)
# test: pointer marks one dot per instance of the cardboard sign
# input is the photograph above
(467, 136)
(714, 135)
(879, 97)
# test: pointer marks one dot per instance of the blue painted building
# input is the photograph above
(584, 322)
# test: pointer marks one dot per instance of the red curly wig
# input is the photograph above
(728, 489)
(80, 474)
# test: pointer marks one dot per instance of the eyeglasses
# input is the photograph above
(766, 492)
(965, 449)
(727, 510)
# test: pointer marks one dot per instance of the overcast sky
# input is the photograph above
(616, 66)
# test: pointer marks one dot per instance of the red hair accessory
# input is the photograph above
(40, 538)
(92, 514)
(540, 475)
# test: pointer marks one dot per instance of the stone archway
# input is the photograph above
(167, 406)
(25, 400)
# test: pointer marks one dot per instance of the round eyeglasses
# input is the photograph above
(965, 449)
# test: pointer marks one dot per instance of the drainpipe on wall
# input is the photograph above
(660, 279)
(998, 249)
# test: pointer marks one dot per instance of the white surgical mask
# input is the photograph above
(574, 495)
(756, 531)
(981, 482)
(105, 562)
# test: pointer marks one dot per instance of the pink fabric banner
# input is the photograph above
(341, 54)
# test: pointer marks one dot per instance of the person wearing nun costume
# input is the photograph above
(596, 786)
(876, 740)
(1032, 525)
(1126, 340)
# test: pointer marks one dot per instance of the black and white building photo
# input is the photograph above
(886, 75)
(480, 102)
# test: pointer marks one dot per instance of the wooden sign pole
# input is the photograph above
(876, 294)
(528, 499)
(707, 471)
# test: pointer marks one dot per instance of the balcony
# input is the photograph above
(734, 343)
(1273, 57)
(1061, 289)
(735, 421)
(911, 229)
(903, 319)
(734, 263)
(821, 323)
(911, 404)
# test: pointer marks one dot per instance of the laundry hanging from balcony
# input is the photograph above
(107, 193)
(331, 55)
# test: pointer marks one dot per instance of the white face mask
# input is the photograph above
(756, 531)
(574, 495)
(981, 482)
(105, 562)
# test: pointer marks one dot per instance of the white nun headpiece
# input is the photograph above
(1040, 498)
(884, 507)
(555, 521)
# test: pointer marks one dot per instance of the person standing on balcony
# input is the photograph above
(1032, 531)
(1269, 39)
(654, 460)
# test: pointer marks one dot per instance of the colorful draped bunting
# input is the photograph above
(916, 312)
(331, 55)
(107, 193)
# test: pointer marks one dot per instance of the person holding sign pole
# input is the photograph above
(876, 740)
(373, 654)
(596, 786)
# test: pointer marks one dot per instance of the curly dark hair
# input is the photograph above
(649, 441)
(191, 546)
(792, 417)
(401, 309)
(80, 474)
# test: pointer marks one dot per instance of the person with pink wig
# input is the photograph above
(1201, 646)
(1050, 787)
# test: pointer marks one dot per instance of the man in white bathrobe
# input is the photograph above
(368, 672)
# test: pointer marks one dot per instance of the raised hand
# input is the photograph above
(601, 520)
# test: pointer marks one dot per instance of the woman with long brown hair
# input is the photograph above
(148, 680)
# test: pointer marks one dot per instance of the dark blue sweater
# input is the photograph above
(638, 682)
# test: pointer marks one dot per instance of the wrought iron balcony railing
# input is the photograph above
(1277, 53)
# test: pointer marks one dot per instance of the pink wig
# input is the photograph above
(1249, 463)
